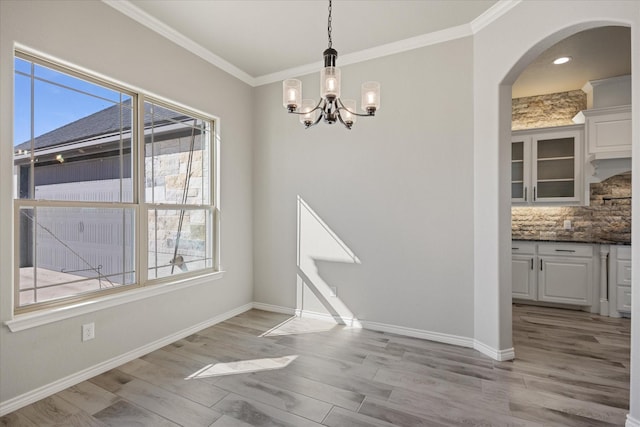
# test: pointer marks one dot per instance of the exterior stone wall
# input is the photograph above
(606, 220)
(556, 109)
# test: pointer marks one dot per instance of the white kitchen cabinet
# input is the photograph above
(523, 273)
(559, 273)
(565, 280)
(608, 132)
(546, 166)
(620, 281)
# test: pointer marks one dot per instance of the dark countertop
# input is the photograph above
(599, 242)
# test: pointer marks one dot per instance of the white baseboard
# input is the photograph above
(351, 322)
(495, 354)
(419, 333)
(85, 374)
(632, 422)
(274, 308)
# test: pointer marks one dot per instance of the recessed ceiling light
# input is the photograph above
(562, 60)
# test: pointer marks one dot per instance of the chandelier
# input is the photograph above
(330, 107)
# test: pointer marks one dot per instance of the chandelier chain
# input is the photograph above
(329, 25)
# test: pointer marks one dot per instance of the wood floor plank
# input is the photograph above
(316, 389)
(289, 401)
(339, 417)
(169, 405)
(259, 414)
(176, 382)
(88, 397)
(49, 411)
(123, 413)
(16, 419)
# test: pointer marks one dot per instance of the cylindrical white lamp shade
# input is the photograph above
(347, 116)
(291, 94)
(310, 116)
(370, 97)
(330, 82)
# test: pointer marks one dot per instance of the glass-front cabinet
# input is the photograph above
(546, 166)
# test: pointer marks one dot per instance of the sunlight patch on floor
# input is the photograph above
(243, 367)
(299, 325)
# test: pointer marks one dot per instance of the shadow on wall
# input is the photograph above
(317, 243)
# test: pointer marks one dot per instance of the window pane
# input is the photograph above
(22, 66)
(556, 189)
(517, 190)
(179, 241)
(517, 171)
(67, 252)
(61, 79)
(81, 148)
(555, 169)
(560, 147)
(22, 111)
(517, 151)
(177, 157)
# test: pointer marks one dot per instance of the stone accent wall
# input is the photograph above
(606, 220)
(555, 109)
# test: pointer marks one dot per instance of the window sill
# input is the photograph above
(32, 320)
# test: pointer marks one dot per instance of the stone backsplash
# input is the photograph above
(555, 109)
(607, 219)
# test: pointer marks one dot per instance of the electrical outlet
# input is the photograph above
(88, 331)
(567, 224)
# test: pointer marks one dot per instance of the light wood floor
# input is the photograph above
(266, 369)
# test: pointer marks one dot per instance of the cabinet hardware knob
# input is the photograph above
(565, 250)
(525, 194)
(540, 265)
(532, 263)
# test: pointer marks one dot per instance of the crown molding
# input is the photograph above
(493, 13)
(417, 42)
(448, 34)
(129, 9)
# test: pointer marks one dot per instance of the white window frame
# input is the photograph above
(41, 313)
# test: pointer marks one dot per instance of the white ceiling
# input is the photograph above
(262, 41)
(597, 54)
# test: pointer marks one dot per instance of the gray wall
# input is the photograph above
(95, 36)
(396, 190)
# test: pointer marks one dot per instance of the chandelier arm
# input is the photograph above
(342, 107)
(310, 111)
(317, 120)
(340, 118)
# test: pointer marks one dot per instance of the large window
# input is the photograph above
(112, 190)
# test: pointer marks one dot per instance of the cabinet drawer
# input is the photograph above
(624, 252)
(624, 298)
(524, 248)
(566, 250)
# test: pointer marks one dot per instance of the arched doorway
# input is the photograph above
(520, 67)
(498, 60)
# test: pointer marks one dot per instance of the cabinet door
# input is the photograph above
(623, 302)
(610, 133)
(520, 169)
(523, 284)
(565, 280)
(556, 169)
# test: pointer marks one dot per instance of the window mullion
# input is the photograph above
(142, 223)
